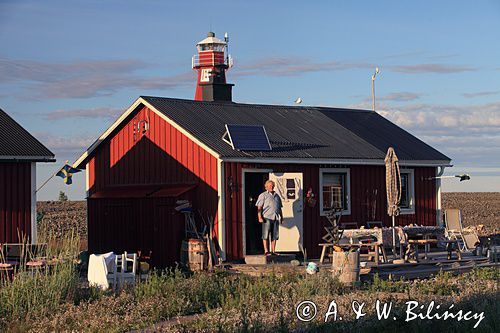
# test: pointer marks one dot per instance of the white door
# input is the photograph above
(289, 188)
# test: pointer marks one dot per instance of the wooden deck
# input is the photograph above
(436, 262)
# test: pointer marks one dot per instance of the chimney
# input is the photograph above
(211, 65)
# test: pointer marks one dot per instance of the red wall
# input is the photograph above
(363, 179)
(15, 201)
(163, 155)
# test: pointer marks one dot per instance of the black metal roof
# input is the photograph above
(18, 144)
(297, 131)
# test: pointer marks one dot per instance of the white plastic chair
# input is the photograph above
(126, 274)
(114, 276)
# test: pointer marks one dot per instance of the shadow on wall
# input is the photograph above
(131, 205)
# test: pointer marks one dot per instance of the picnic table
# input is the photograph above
(407, 236)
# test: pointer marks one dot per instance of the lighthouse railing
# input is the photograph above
(211, 60)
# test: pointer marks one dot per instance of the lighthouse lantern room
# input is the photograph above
(211, 65)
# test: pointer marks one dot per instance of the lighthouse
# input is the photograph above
(211, 64)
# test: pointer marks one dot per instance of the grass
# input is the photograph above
(54, 300)
(39, 292)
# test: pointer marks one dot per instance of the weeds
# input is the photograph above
(53, 300)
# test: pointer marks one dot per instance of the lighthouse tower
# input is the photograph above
(211, 65)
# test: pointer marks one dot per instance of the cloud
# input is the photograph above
(102, 112)
(469, 134)
(481, 93)
(28, 70)
(431, 68)
(480, 118)
(102, 85)
(400, 97)
(67, 147)
(292, 66)
(85, 79)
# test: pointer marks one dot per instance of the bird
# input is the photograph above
(298, 100)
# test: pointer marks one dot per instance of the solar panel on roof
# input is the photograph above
(247, 137)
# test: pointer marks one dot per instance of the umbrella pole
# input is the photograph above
(394, 236)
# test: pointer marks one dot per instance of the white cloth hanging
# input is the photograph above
(99, 266)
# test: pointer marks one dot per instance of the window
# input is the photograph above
(334, 190)
(407, 203)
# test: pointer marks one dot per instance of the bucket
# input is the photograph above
(194, 254)
(345, 266)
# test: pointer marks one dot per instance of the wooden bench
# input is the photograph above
(413, 244)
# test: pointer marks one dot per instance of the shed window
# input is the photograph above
(334, 184)
(407, 203)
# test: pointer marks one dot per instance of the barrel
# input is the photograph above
(345, 266)
(194, 254)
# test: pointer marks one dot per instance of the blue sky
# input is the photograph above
(68, 69)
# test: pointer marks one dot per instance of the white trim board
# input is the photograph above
(34, 227)
(411, 185)
(277, 160)
(28, 158)
(243, 205)
(347, 185)
(221, 209)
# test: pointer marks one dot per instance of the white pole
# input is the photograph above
(373, 87)
(373, 92)
(394, 236)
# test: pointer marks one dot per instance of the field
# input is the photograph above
(173, 301)
(477, 209)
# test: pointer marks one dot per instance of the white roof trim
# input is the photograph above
(423, 163)
(124, 115)
(211, 40)
(28, 158)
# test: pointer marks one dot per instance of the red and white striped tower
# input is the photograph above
(211, 65)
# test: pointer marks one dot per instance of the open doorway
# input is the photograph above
(253, 186)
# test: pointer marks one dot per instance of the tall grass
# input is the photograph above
(35, 292)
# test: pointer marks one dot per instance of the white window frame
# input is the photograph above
(347, 171)
(411, 191)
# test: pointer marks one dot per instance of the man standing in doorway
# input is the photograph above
(269, 213)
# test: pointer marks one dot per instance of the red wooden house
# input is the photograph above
(218, 153)
(19, 152)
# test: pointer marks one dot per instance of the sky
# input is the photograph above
(68, 69)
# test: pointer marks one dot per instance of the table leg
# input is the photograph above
(323, 251)
(376, 255)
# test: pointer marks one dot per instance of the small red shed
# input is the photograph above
(218, 153)
(19, 152)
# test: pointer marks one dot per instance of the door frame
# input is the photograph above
(243, 209)
(301, 195)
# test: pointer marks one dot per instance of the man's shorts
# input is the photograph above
(270, 228)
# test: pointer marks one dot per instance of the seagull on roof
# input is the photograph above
(298, 100)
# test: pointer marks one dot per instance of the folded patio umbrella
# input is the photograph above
(393, 189)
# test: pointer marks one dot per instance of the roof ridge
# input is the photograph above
(237, 104)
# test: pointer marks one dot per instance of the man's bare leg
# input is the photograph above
(273, 246)
(266, 248)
